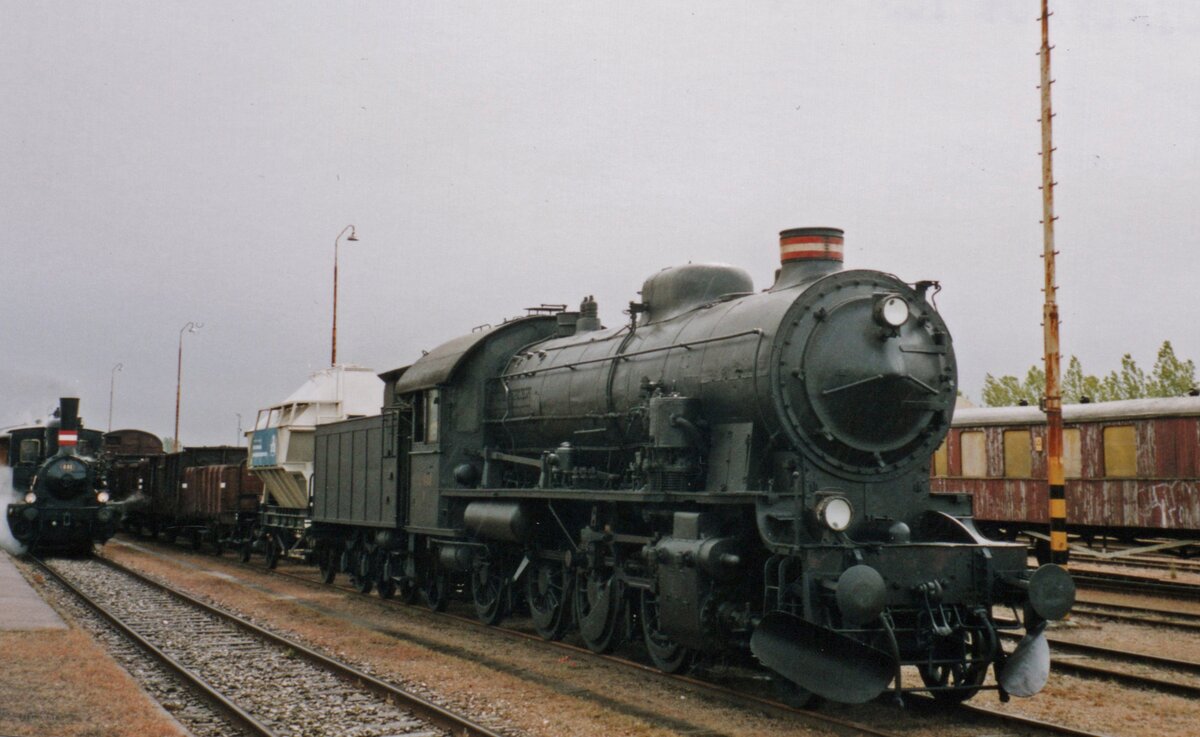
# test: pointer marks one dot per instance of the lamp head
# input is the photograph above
(353, 234)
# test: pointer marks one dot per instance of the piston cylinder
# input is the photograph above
(505, 521)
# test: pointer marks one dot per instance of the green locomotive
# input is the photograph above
(59, 484)
(731, 473)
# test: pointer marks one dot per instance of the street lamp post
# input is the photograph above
(112, 385)
(191, 327)
(238, 444)
(353, 237)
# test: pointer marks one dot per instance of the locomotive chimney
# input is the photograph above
(806, 254)
(66, 436)
(68, 413)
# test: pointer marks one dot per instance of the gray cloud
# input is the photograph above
(167, 162)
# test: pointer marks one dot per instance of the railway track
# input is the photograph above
(267, 684)
(1138, 615)
(1079, 662)
(993, 719)
(1164, 563)
(1129, 584)
(977, 714)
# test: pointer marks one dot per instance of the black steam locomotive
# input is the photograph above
(733, 471)
(59, 481)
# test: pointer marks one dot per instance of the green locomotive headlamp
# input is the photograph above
(891, 311)
(102, 497)
(30, 498)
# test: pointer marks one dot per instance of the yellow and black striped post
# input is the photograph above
(1052, 402)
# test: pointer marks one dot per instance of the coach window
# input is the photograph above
(1018, 454)
(974, 454)
(940, 460)
(31, 451)
(1120, 452)
(1072, 456)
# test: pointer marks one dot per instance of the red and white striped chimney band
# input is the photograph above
(67, 437)
(801, 247)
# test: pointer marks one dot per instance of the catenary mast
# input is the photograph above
(1052, 402)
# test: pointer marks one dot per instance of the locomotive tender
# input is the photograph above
(732, 471)
(60, 481)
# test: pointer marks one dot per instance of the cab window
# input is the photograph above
(431, 416)
(31, 450)
(425, 416)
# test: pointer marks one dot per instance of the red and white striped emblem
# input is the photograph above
(799, 247)
(67, 437)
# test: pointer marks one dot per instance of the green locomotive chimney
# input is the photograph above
(806, 254)
(68, 413)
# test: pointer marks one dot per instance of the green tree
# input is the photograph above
(1128, 383)
(1008, 391)
(1076, 385)
(1171, 377)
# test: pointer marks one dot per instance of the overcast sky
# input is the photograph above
(166, 162)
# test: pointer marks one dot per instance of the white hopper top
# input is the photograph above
(281, 447)
(329, 395)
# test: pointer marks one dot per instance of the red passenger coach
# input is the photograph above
(1132, 467)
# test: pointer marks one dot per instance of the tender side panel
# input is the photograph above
(350, 483)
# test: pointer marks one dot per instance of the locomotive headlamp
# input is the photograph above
(835, 512)
(30, 498)
(102, 497)
(891, 310)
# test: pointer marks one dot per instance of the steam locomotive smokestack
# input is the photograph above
(806, 254)
(67, 436)
(68, 413)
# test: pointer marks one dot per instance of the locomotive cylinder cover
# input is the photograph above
(456, 557)
(498, 521)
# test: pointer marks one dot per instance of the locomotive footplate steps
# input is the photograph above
(821, 660)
